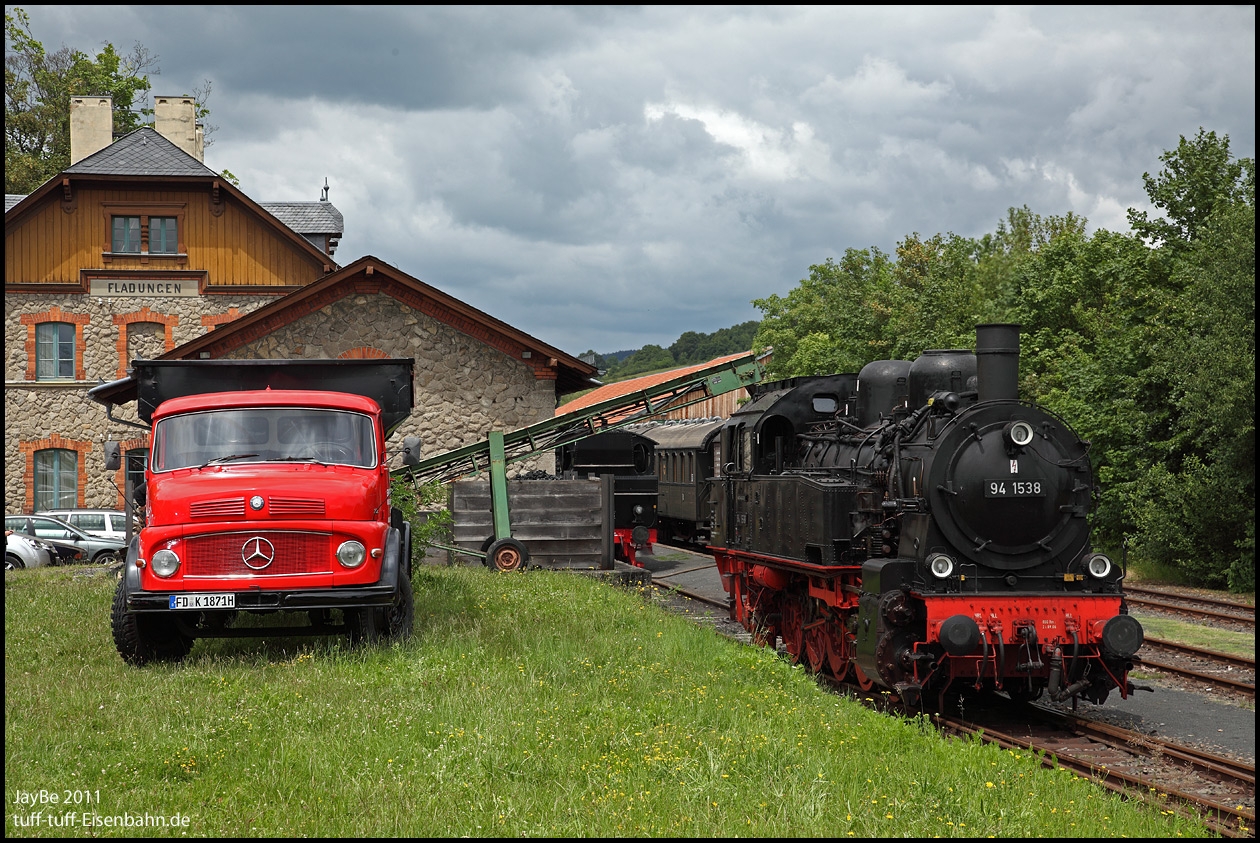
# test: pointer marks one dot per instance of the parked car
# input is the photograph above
(95, 549)
(106, 523)
(23, 551)
(65, 553)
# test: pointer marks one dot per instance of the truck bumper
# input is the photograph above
(380, 593)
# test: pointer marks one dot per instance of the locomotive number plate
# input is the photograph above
(1014, 489)
(203, 601)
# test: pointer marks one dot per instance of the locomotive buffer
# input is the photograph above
(502, 449)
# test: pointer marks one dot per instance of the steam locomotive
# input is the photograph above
(918, 529)
(915, 528)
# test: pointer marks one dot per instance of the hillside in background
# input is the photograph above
(691, 347)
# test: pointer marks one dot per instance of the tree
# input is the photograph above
(833, 321)
(1199, 177)
(38, 86)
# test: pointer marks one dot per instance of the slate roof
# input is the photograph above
(307, 217)
(143, 152)
(11, 199)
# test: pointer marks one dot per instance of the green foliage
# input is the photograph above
(693, 347)
(1199, 177)
(425, 508)
(834, 321)
(690, 348)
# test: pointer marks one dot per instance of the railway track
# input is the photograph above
(1225, 672)
(1235, 614)
(1220, 791)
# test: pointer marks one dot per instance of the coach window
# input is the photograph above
(54, 351)
(56, 479)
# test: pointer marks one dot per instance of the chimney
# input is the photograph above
(91, 126)
(175, 118)
(997, 362)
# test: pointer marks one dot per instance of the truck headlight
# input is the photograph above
(351, 554)
(164, 563)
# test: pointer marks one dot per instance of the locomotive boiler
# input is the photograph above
(918, 529)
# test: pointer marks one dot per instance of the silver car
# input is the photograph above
(23, 551)
(109, 523)
(99, 551)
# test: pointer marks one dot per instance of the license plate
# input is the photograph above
(203, 601)
(1014, 489)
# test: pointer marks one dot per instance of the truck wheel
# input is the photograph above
(507, 555)
(141, 639)
(400, 618)
(394, 622)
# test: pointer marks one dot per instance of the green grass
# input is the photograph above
(1197, 634)
(544, 703)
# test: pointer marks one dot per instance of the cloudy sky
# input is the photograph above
(607, 177)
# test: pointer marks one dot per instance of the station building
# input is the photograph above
(139, 251)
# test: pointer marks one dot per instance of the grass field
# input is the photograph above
(538, 704)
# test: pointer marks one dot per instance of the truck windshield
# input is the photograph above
(289, 434)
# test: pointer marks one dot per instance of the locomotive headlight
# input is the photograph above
(940, 565)
(1019, 433)
(164, 563)
(1099, 566)
(638, 509)
(351, 554)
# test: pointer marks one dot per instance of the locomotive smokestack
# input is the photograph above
(997, 362)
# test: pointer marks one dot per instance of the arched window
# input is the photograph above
(54, 351)
(56, 479)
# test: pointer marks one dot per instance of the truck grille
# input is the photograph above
(296, 507)
(223, 554)
(225, 508)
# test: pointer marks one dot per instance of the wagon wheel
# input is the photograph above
(507, 555)
(794, 627)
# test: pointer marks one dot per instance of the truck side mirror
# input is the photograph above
(411, 450)
(113, 455)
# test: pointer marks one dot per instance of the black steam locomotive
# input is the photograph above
(917, 528)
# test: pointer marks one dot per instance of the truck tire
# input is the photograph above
(389, 623)
(144, 638)
(400, 618)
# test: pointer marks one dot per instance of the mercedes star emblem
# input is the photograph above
(257, 553)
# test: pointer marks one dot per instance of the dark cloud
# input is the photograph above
(605, 177)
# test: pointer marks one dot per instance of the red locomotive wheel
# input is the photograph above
(864, 681)
(837, 651)
(793, 613)
(816, 647)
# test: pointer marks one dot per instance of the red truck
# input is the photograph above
(266, 491)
